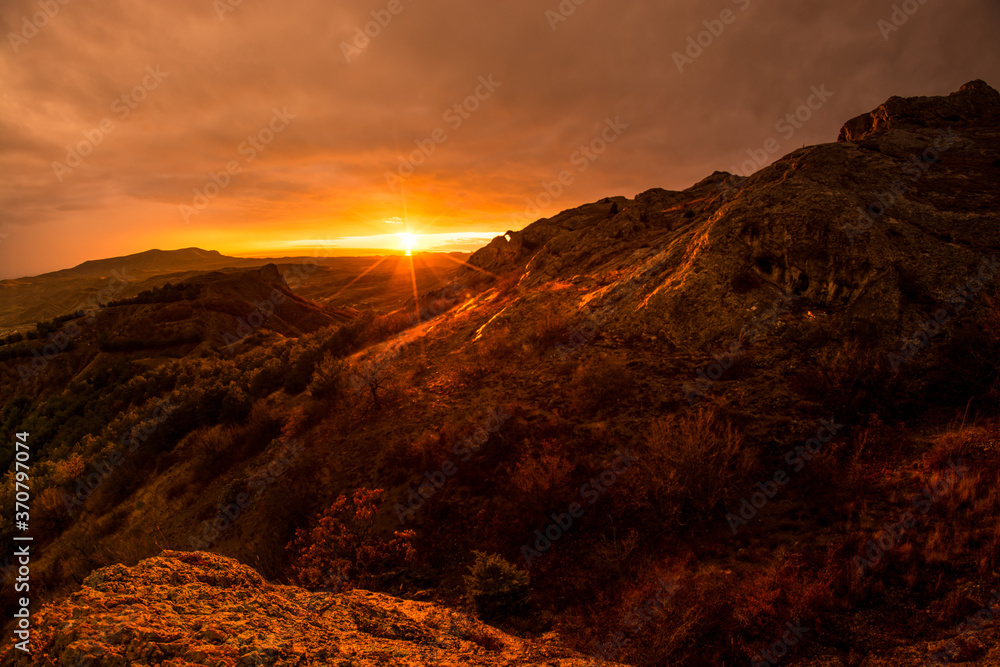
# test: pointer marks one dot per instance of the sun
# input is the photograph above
(409, 241)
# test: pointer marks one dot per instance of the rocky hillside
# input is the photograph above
(196, 608)
(896, 216)
(204, 312)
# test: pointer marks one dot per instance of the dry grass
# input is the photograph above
(543, 474)
(680, 611)
(507, 283)
(691, 463)
(551, 328)
(492, 356)
(843, 375)
(972, 443)
(600, 383)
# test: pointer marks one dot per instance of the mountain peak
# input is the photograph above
(974, 102)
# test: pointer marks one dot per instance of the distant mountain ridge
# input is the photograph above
(24, 301)
(155, 259)
(149, 260)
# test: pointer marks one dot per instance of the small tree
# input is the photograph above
(497, 588)
(375, 376)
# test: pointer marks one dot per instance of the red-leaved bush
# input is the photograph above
(344, 546)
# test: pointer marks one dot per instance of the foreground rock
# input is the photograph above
(197, 608)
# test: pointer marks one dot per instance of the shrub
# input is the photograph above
(543, 475)
(497, 588)
(51, 512)
(263, 424)
(299, 376)
(377, 377)
(329, 379)
(235, 405)
(214, 451)
(843, 375)
(690, 465)
(344, 544)
(689, 613)
(386, 326)
(232, 491)
(267, 379)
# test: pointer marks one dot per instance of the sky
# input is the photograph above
(270, 128)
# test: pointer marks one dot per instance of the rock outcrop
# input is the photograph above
(197, 608)
(877, 230)
(974, 100)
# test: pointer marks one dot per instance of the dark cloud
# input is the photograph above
(324, 174)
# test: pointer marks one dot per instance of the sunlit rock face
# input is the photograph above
(873, 232)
